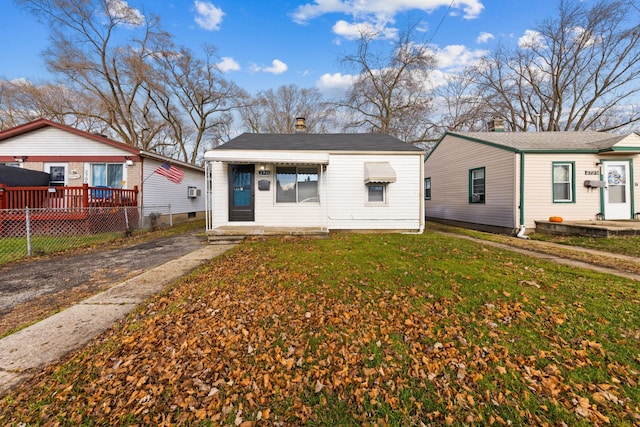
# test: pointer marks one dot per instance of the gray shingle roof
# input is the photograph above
(583, 140)
(317, 142)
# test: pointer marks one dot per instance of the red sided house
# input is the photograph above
(84, 170)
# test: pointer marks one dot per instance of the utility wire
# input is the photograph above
(441, 21)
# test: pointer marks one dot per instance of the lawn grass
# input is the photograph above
(15, 248)
(383, 329)
(624, 245)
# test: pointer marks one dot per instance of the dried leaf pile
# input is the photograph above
(356, 330)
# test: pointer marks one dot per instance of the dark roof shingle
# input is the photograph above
(317, 142)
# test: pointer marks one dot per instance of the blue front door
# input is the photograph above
(241, 193)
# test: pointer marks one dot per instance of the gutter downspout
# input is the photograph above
(421, 195)
(521, 234)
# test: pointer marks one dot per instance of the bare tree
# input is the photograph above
(460, 104)
(578, 70)
(193, 99)
(390, 92)
(23, 101)
(102, 47)
(276, 111)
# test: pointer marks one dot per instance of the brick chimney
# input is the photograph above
(301, 127)
(496, 125)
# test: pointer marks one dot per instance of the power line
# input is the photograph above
(441, 20)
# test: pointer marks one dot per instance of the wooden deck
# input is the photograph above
(72, 210)
(71, 199)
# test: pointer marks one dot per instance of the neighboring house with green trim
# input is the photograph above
(502, 181)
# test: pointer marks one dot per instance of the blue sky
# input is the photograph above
(265, 44)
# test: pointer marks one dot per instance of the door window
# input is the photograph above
(616, 183)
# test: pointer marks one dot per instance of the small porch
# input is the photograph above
(590, 228)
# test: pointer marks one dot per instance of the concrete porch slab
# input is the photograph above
(590, 228)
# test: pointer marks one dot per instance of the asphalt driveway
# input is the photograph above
(35, 288)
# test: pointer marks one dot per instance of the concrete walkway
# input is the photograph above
(22, 353)
(536, 250)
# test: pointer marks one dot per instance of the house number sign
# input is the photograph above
(264, 173)
(596, 172)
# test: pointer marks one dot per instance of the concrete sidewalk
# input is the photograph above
(22, 353)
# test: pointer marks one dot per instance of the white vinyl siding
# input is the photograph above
(343, 197)
(349, 207)
(449, 165)
(160, 192)
(50, 141)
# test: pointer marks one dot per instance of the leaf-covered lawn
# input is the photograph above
(355, 330)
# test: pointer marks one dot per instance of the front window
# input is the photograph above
(563, 182)
(427, 188)
(296, 184)
(106, 175)
(477, 185)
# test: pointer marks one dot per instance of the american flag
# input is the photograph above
(171, 172)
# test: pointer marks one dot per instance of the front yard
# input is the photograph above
(355, 330)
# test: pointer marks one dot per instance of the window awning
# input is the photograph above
(381, 172)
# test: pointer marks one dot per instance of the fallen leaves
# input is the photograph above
(255, 341)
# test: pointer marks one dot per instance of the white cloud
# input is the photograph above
(208, 16)
(484, 37)
(353, 31)
(120, 9)
(228, 64)
(530, 39)
(335, 84)
(457, 56)
(21, 81)
(382, 9)
(277, 67)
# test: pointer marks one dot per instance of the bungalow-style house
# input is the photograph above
(74, 158)
(312, 184)
(506, 181)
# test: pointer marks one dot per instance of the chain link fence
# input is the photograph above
(28, 232)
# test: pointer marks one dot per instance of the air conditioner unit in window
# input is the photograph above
(193, 192)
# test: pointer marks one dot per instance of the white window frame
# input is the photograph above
(122, 178)
(298, 201)
(570, 182)
(382, 202)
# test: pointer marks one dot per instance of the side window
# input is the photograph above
(427, 188)
(563, 182)
(376, 193)
(477, 185)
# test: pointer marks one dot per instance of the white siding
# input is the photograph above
(51, 141)
(348, 207)
(448, 167)
(268, 213)
(159, 191)
(342, 197)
